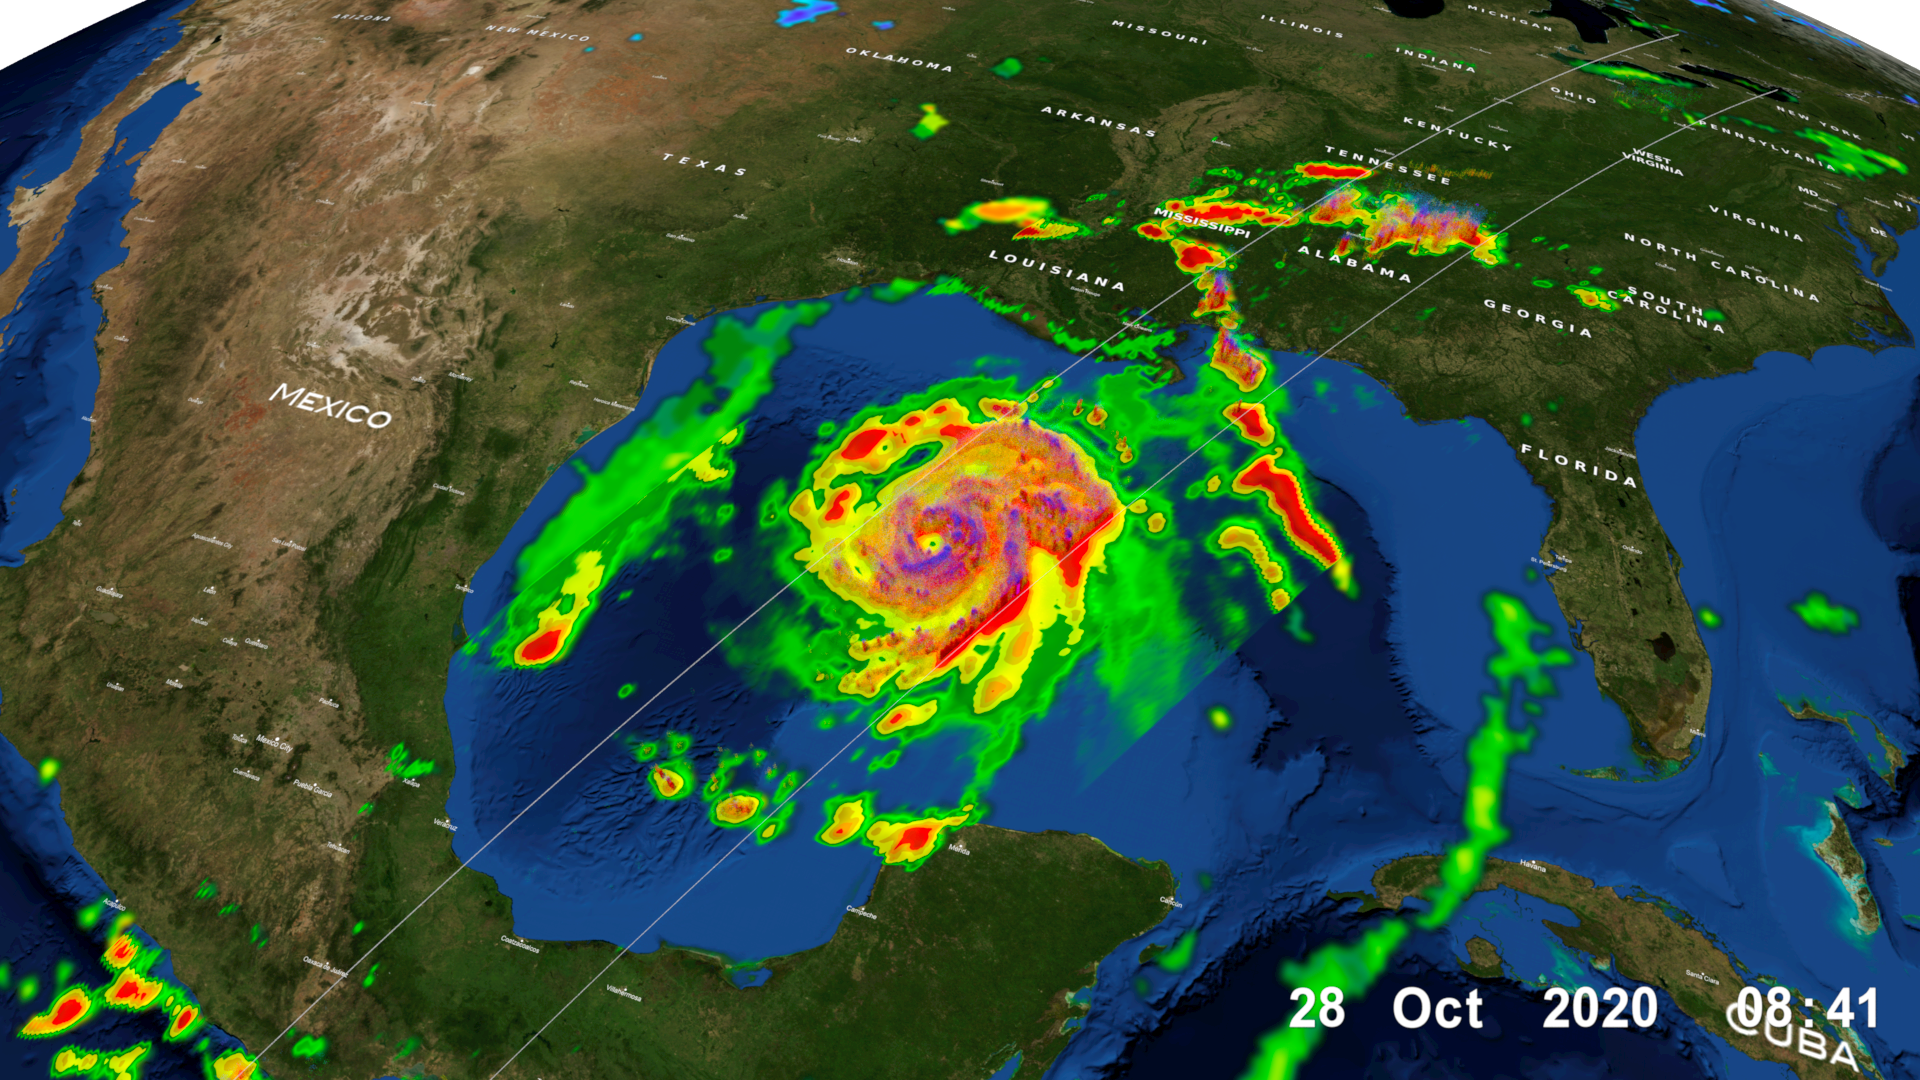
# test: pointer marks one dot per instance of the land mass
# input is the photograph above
(489, 236)
(1894, 758)
(1483, 959)
(1644, 938)
(965, 962)
(1841, 857)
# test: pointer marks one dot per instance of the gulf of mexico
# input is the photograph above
(590, 862)
(1762, 481)
(1374, 717)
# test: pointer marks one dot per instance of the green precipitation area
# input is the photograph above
(147, 775)
(1641, 937)
(995, 945)
(1342, 972)
(1822, 614)
(668, 492)
(967, 961)
(1232, 118)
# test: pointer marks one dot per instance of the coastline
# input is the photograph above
(54, 375)
(48, 361)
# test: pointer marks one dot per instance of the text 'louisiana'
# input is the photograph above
(1063, 271)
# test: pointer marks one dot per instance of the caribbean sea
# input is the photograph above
(1800, 475)
(1348, 723)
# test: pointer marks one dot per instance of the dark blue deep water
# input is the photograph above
(1799, 475)
(1349, 724)
(48, 372)
(1346, 747)
(48, 376)
(43, 882)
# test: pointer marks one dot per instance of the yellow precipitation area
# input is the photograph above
(847, 819)
(1241, 538)
(948, 596)
(1594, 298)
(1155, 521)
(66, 1013)
(906, 716)
(667, 782)
(233, 1065)
(576, 593)
(72, 1060)
(120, 1065)
(911, 841)
(121, 951)
(1000, 212)
(1035, 217)
(701, 464)
(133, 993)
(737, 808)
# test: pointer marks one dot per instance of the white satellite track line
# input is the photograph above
(931, 469)
(1176, 467)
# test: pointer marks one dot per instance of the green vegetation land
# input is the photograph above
(1644, 938)
(1483, 959)
(1837, 851)
(1892, 757)
(526, 246)
(969, 960)
(1224, 111)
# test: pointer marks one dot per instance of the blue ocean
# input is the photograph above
(51, 374)
(1349, 723)
(48, 365)
(1349, 718)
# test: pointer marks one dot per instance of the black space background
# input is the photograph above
(1892, 27)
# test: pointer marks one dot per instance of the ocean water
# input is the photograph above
(45, 101)
(43, 882)
(598, 859)
(1800, 475)
(1396, 691)
(1345, 750)
(46, 98)
(51, 373)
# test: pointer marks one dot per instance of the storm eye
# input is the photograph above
(931, 543)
